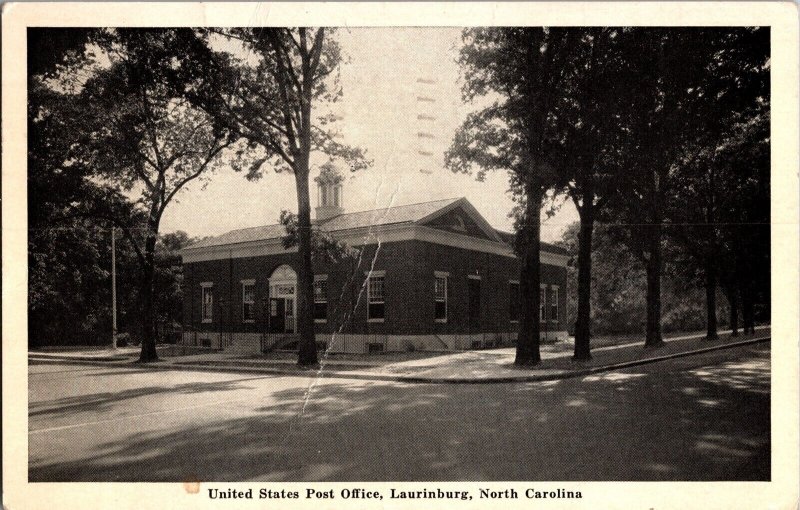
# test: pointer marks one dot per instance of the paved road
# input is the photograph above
(699, 418)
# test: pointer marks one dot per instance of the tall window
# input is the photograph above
(542, 296)
(248, 300)
(554, 304)
(513, 301)
(320, 298)
(207, 303)
(440, 297)
(376, 310)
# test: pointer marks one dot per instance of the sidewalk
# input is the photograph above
(496, 365)
(119, 354)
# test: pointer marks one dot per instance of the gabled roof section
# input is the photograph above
(473, 213)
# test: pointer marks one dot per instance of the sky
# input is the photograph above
(386, 73)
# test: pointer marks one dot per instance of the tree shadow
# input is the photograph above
(695, 423)
(98, 402)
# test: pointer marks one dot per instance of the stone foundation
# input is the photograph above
(251, 343)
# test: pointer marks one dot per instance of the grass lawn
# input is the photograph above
(610, 340)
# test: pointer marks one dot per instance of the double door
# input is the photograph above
(281, 315)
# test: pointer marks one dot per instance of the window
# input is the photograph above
(207, 301)
(321, 298)
(513, 301)
(440, 296)
(375, 308)
(248, 300)
(542, 296)
(283, 290)
(554, 304)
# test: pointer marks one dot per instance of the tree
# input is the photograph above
(51, 49)
(710, 173)
(744, 219)
(168, 277)
(520, 70)
(588, 129)
(66, 272)
(272, 104)
(673, 91)
(619, 285)
(140, 136)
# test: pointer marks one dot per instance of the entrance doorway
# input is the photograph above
(282, 300)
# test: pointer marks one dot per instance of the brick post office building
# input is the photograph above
(428, 276)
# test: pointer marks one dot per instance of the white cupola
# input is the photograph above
(329, 192)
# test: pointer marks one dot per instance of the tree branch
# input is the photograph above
(211, 155)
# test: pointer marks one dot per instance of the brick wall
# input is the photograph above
(409, 290)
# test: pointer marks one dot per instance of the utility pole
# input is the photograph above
(114, 287)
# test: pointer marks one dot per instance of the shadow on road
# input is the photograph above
(97, 402)
(670, 421)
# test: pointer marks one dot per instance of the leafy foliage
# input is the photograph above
(520, 72)
(618, 290)
(636, 125)
(324, 247)
(126, 138)
(266, 99)
(516, 70)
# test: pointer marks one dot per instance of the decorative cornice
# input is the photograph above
(470, 210)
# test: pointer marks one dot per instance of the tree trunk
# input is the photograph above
(711, 300)
(583, 324)
(653, 330)
(307, 346)
(529, 245)
(733, 303)
(148, 352)
(747, 310)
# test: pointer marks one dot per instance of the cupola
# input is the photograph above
(329, 192)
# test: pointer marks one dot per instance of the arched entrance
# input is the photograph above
(282, 300)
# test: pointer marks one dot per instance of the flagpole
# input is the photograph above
(113, 288)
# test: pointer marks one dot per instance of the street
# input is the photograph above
(702, 417)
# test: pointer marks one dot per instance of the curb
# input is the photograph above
(221, 368)
(104, 359)
(402, 378)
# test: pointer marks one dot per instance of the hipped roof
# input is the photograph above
(391, 215)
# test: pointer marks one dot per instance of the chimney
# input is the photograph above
(329, 192)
